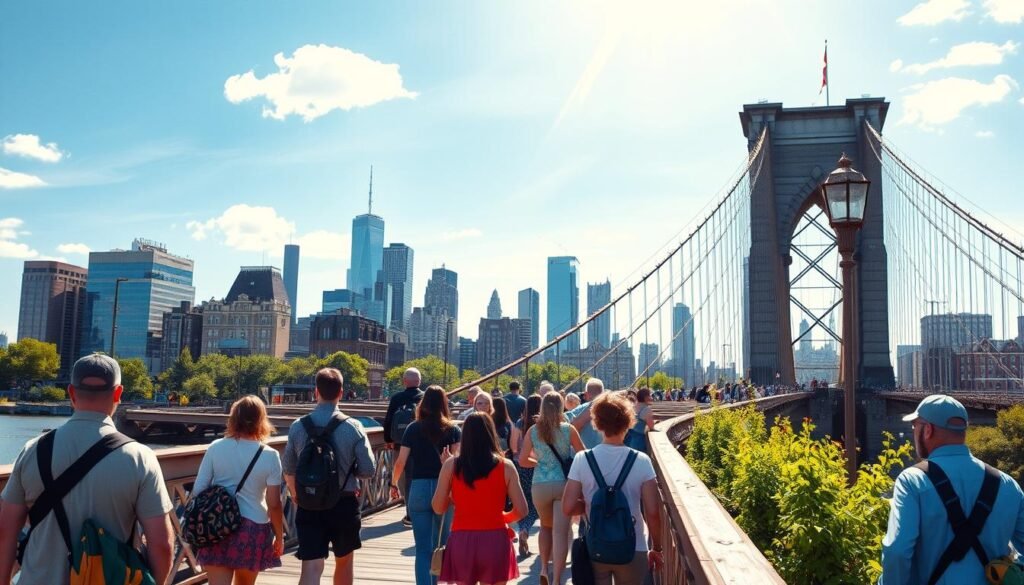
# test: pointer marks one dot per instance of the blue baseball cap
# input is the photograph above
(940, 410)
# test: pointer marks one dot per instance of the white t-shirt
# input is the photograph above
(224, 464)
(610, 459)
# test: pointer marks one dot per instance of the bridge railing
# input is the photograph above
(181, 464)
(703, 544)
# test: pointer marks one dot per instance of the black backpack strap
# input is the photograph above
(624, 472)
(558, 456)
(55, 490)
(248, 470)
(965, 530)
(333, 424)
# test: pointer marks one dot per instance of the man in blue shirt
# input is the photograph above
(919, 529)
(580, 416)
(515, 401)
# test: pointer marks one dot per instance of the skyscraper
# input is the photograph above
(501, 341)
(467, 354)
(683, 345)
(431, 332)
(398, 274)
(443, 292)
(291, 277)
(494, 307)
(563, 299)
(367, 250)
(600, 329)
(649, 357)
(53, 297)
(529, 308)
(148, 282)
(3, 340)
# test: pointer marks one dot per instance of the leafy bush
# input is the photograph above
(47, 394)
(1001, 446)
(790, 494)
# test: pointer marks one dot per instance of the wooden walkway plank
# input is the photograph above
(387, 557)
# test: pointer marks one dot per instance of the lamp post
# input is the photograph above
(447, 340)
(113, 320)
(845, 194)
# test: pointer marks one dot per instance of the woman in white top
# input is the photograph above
(612, 414)
(259, 542)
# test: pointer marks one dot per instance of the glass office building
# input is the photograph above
(600, 329)
(563, 300)
(529, 308)
(148, 282)
(367, 253)
(291, 277)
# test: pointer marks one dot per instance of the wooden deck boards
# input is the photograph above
(387, 557)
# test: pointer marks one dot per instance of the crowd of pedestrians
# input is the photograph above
(471, 491)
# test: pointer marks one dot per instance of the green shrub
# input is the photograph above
(1001, 446)
(790, 494)
(48, 394)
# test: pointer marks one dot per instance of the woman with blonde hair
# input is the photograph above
(548, 447)
(484, 403)
(240, 463)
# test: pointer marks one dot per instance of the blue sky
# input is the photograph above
(500, 132)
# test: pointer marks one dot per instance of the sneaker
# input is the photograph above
(407, 522)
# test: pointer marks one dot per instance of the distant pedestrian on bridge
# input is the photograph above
(950, 514)
(515, 400)
(580, 416)
(428, 442)
(124, 485)
(478, 482)
(259, 543)
(471, 396)
(337, 527)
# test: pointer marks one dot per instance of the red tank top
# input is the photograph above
(482, 506)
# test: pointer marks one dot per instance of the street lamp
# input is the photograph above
(845, 195)
(113, 320)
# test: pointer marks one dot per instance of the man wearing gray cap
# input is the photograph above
(120, 482)
(951, 513)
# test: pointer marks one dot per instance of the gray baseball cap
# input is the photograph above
(96, 373)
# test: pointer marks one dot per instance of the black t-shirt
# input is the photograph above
(424, 458)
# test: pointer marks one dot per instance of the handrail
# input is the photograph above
(180, 465)
(703, 544)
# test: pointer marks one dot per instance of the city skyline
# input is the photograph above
(227, 174)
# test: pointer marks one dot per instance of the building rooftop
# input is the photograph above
(260, 284)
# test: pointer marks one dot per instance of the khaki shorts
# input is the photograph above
(545, 497)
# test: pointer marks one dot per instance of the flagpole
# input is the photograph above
(828, 102)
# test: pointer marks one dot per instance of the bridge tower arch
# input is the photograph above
(801, 147)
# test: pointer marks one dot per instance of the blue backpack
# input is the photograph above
(610, 534)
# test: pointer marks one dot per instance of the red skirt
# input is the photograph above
(250, 548)
(484, 556)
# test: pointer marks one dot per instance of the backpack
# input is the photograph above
(96, 558)
(316, 475)
(100, 559)
(965, 529)
(213, 515)
(610, 534)
(403, 417)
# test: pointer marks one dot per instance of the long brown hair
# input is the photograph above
(500, 415)
(433, 414)
(551, 417)
(248, 418)
(479, 451)
(531, 412)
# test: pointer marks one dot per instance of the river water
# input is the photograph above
(16, 430)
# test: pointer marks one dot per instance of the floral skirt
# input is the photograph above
(251, 548)
(479, 556)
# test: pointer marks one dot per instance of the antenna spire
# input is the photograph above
(371, 190)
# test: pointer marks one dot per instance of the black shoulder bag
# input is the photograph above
(965, 529)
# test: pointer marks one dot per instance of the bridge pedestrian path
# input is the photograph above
(387, 556)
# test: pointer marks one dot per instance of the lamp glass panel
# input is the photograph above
(835, 197)
(858, 197)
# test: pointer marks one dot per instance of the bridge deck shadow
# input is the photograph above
(387, 556)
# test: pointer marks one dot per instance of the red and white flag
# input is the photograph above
(824, 71)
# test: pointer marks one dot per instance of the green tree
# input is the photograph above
(221, 369)
(199, 386)
(28, 360)
(173, 378)
(48, 394)
(431, 369)
(662, 381)
(303, 369)
(560, 376)
(135, 378)
(257, 371)
(354, 368)
(1001, 446)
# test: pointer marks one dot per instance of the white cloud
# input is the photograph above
(8, 233)
(1005, 11)
(246, 228)
(963, 55)
(934, 12)
(938, 102)
(323, 245)
(985, 134)
(15, 180)
(896, 65)
(74, 249)
(461, 234)
(318, 79)
(28, 146)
